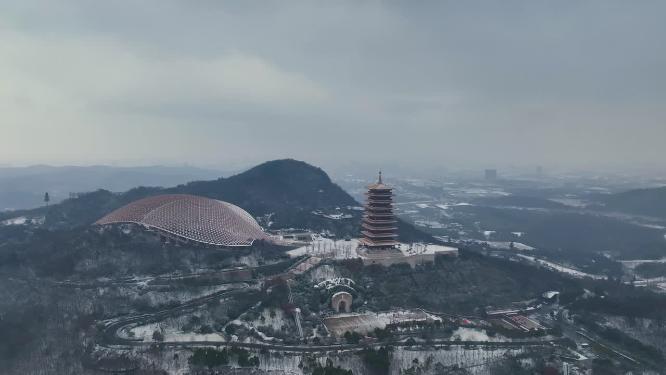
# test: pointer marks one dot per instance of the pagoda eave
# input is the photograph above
(379, 235)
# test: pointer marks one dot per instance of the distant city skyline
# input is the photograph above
(427, 85)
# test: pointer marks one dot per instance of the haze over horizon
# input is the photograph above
(431, 84)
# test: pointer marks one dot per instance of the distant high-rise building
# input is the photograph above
(491, 174)
(379, 225)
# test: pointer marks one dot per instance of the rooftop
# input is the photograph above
(190, 217)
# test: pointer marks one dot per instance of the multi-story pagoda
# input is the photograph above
(379, 225)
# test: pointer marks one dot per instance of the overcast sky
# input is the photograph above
(441, 83)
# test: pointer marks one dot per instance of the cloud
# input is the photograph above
(427, 83)
(101, 91)
(89, 71)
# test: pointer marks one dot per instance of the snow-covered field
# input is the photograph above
(419, 248)
(429, 224)
(367, 322)
(476, 360)
(501, 245)
(507, 245)
(561, 268)
(22, 220)
(631, 264)
(171, 334)
(324, 272)
(272, 319)
(157, 298)
(447, 206)
(326, 247)
(473, 334)
(343, 249)
(648, 331)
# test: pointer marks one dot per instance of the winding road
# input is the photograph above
(109, 337)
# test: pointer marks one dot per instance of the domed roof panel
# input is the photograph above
(195, 218)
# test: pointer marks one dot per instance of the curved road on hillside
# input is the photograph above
(109, 337)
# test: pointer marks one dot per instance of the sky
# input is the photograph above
(421, 83)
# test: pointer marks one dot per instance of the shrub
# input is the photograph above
(209, 357)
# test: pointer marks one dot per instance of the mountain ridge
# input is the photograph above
(287, 189)
(272, 184)
(647, 201)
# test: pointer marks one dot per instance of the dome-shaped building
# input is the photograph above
(203, 220)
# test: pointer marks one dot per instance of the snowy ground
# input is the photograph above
(367, 322)
(273, 319)
(155, 298)
(648, 331)
(507, 246)
(419, 248)
(429, 224)
(329, 248)
(476, 360)
(447, 206)
(275, 322)
(560, 268)
(342, 249)
(473, 334)
(631, 264)
(171, 334)
(501, 245)
(22, 220)
(325, 272)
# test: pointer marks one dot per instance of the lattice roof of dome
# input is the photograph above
(191, 217)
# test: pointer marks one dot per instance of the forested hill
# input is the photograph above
(288, 189)
(649, 202)
(274, 186)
